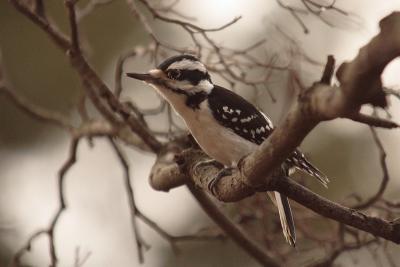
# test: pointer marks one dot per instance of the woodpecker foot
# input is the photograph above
(222, 173)
(206, 163)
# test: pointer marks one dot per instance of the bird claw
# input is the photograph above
(212, 184)
(222, 173)
(205, 163)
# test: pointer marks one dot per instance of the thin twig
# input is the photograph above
(328, 71)
(49, 231)
(90, 7)
(119, 71)
(70, 4)
(373, 121)
(344, 248)
(233, 231)
(385, 171)
(35, 111)
(140, 243)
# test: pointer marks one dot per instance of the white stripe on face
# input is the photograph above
(203, 86)
(187, 64)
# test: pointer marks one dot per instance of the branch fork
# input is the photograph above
(359, 84)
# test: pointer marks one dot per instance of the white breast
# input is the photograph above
(220, 143)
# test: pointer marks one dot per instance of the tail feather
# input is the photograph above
(285, 216)
(299, 161)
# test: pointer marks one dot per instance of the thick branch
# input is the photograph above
(329, 209)
(359, 84)
(230, 189)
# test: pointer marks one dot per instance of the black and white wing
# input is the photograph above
(234, 112)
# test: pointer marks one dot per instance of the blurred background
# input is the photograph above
(97, 220)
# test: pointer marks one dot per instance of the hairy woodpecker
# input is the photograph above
(224, 124)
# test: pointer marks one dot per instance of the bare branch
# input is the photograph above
(165, 173)
(185, 25)
(359, 84)
(344, 248)
(79, 262)
(385, 178)
(70, 4)
(241, 238)
(131, 200)
(36, 112)
(314, 8)
(231, 189)
(16, 261)
(328, 71)
(59, 38)
(88, 76)
(373, 121)
(119, 70)
(391, 91)
(295, 13)
(172, 239)
(39, 8)
(89, 8)
(49, 231)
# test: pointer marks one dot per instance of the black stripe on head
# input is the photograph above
(193, 76)
(164, 66)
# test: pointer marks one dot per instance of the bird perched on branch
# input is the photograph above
(224, 124)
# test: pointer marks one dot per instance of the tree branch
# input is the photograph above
(231, 189)
(36, 112)
(359, 84)
(241, 238)
(140, 243)
(385, 171)
(49, 231)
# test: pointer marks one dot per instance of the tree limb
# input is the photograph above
(359, 84)
(231, 229)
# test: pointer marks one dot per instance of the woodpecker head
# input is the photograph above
(178, 76)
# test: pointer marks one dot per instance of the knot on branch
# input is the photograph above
(314, 102)
(229, 188)
(165, 173)
(368, 80)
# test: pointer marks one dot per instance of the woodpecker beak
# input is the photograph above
(151, 77)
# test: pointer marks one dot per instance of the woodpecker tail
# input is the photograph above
(286, 217)
(299, 161)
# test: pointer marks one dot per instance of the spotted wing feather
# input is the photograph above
(234, 112)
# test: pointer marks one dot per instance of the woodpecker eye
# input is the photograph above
(174, 74)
